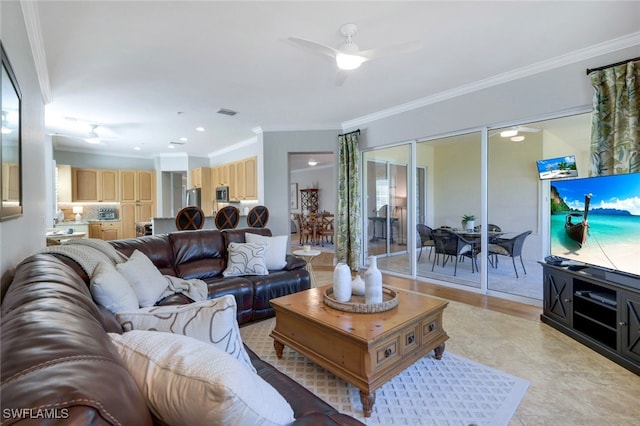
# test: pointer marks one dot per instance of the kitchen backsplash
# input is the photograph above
(89, 211)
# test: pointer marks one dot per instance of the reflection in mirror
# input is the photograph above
(10, 141)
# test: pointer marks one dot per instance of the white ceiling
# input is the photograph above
(149, 72)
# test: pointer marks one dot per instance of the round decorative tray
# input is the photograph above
(356, 303)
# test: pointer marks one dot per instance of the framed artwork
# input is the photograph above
(293, 196)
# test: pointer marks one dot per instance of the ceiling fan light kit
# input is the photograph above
(508, 133)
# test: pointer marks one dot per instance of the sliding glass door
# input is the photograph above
(386, 184)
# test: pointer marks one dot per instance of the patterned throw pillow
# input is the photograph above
(246, 259)
(212, 321)
(188, 382)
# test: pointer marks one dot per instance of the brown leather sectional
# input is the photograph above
(57, 359)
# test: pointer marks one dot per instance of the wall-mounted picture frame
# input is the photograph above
(10, 142)
(293, 196)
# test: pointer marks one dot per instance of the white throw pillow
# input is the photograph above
(111, 290)
(189, 382)
(246, 259)
(276, 254)
(147, 281)
(212, 321)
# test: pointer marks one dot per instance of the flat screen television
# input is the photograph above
(557, 168)
(612, 233)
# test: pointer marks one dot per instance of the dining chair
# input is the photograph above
(190, 218)
(451, 245)
(227, 217)
(426, 240)
(258, 217)
(510, 247)
(326, 228)
(304, 230)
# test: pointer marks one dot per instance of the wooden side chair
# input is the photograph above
(304, 230)
(190, 218)
(227, 218)
(258, 217)
(326, 230)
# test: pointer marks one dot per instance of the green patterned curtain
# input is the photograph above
(615, 133)
(349, 212)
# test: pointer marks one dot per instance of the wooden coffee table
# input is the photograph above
(366, 350)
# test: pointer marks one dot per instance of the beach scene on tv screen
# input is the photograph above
(556, 168)
(613, 221)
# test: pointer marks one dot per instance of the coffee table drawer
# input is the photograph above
(386, 352)
(411, 339)
(431, 328)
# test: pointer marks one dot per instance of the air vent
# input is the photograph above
(225, 111)
(176, 143)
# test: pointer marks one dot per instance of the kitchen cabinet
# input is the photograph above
(63, 183)
(137, 199)
(105, 230)
(94, 185)
(243, 185)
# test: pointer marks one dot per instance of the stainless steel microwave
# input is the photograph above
(222, 193)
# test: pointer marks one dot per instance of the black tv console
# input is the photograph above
(600, 311)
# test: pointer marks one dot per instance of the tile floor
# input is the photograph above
(570, 384)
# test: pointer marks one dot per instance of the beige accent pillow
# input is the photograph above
(246, 259)
(143, 276)
(111, 290)
(212, 321)
(189, 382)
(276, 250)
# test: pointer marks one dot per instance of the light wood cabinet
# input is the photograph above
(63, 183)
(105, 230)
(243, 179)
(94, 185)
(137, 199)
(201, 178)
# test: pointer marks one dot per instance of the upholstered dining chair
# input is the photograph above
(190, 218)
(227, 217)
(258, 217)
(425, 238)
(510, 247)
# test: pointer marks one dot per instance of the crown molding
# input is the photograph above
(32, 24)
(610, 46)
(234, 147)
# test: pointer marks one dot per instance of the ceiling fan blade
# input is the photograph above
(395, 49)
(341, 76)
(527, 129)
(313, 46)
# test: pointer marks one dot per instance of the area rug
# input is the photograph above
(450, 391)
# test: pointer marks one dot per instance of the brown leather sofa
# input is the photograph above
(57, 361)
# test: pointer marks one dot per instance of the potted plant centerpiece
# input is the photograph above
(468, 222)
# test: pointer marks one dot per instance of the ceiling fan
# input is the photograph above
(91, 136)
(348, 56)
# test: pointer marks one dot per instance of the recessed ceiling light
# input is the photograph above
(312, 162)
(171, 146)
(508, 133)
(137, 148)
(517, 138)
(184, 139)
(199, 129)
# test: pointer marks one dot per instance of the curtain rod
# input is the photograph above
(355, 131)
(590, 70)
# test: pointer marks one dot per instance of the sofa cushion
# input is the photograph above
(111, 290)
(212, 321)
(190, 382)
(198, 254)
(276, 252)
(246, 259)
(145, 279)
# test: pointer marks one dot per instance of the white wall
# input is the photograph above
(25, 235)
(277, 146)
(321, 178)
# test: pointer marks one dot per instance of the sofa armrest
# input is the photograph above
(294, 262)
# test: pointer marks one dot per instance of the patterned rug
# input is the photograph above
(450, 391)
